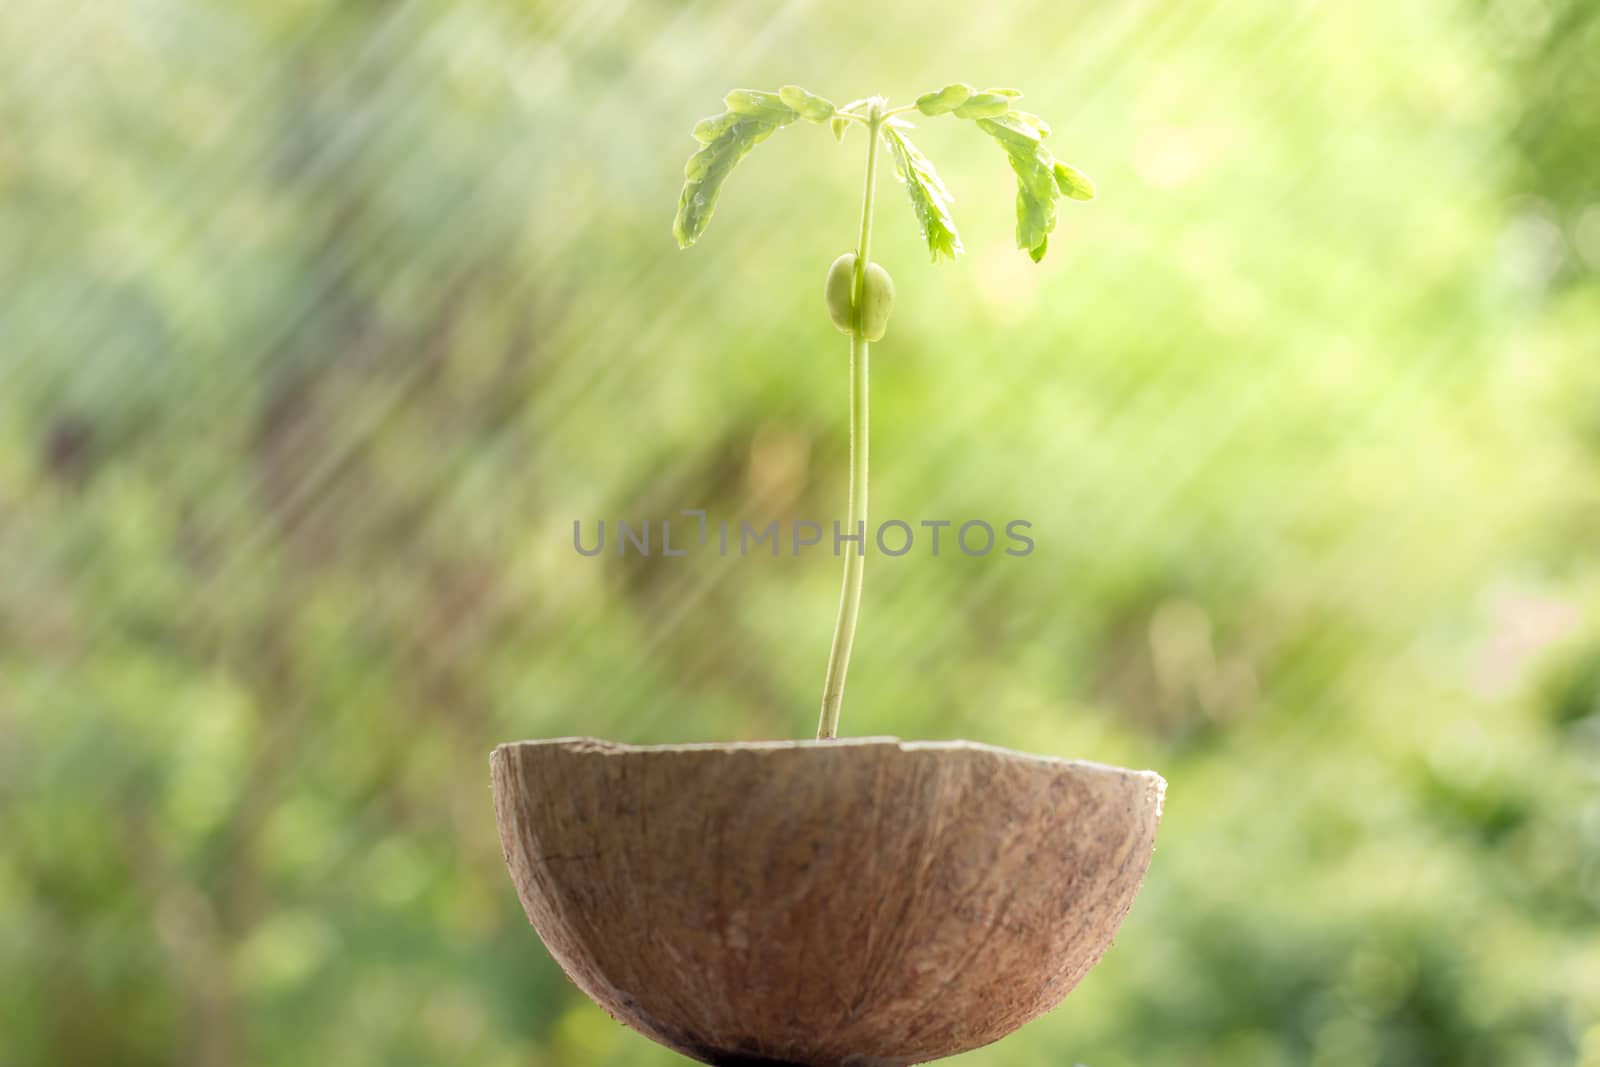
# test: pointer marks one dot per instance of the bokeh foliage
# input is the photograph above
(323, 322)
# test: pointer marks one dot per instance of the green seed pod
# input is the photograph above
(811, 106)
(877, 302)
(877, 297)
(984, 106)
(837, 291)
(942, 100)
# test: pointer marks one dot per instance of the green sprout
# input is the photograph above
(859, 294)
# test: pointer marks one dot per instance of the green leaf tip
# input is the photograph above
(986, 105)
(1073, 182)
(930, 200)
(810, 106)
(1030, 119)
(942, 101)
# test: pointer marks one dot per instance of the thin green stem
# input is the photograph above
(844, 630)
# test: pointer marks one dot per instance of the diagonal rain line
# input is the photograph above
(606, 370)
(199, 219)
(1140, 418)
(693, 596)
(317, 481)
(1315, 670)
(258, 90)
(291, 328)
(1311, 673)
(687, 597)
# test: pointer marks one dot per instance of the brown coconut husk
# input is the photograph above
(868, 902)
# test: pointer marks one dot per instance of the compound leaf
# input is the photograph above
(1040, 179)
(751, 118)
(929, 198)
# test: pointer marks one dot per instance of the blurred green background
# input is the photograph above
(322, 322)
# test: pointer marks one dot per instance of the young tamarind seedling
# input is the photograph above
(859, 293)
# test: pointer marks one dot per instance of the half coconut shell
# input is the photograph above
(861, 902)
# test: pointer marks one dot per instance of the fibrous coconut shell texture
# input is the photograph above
(868, 903)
